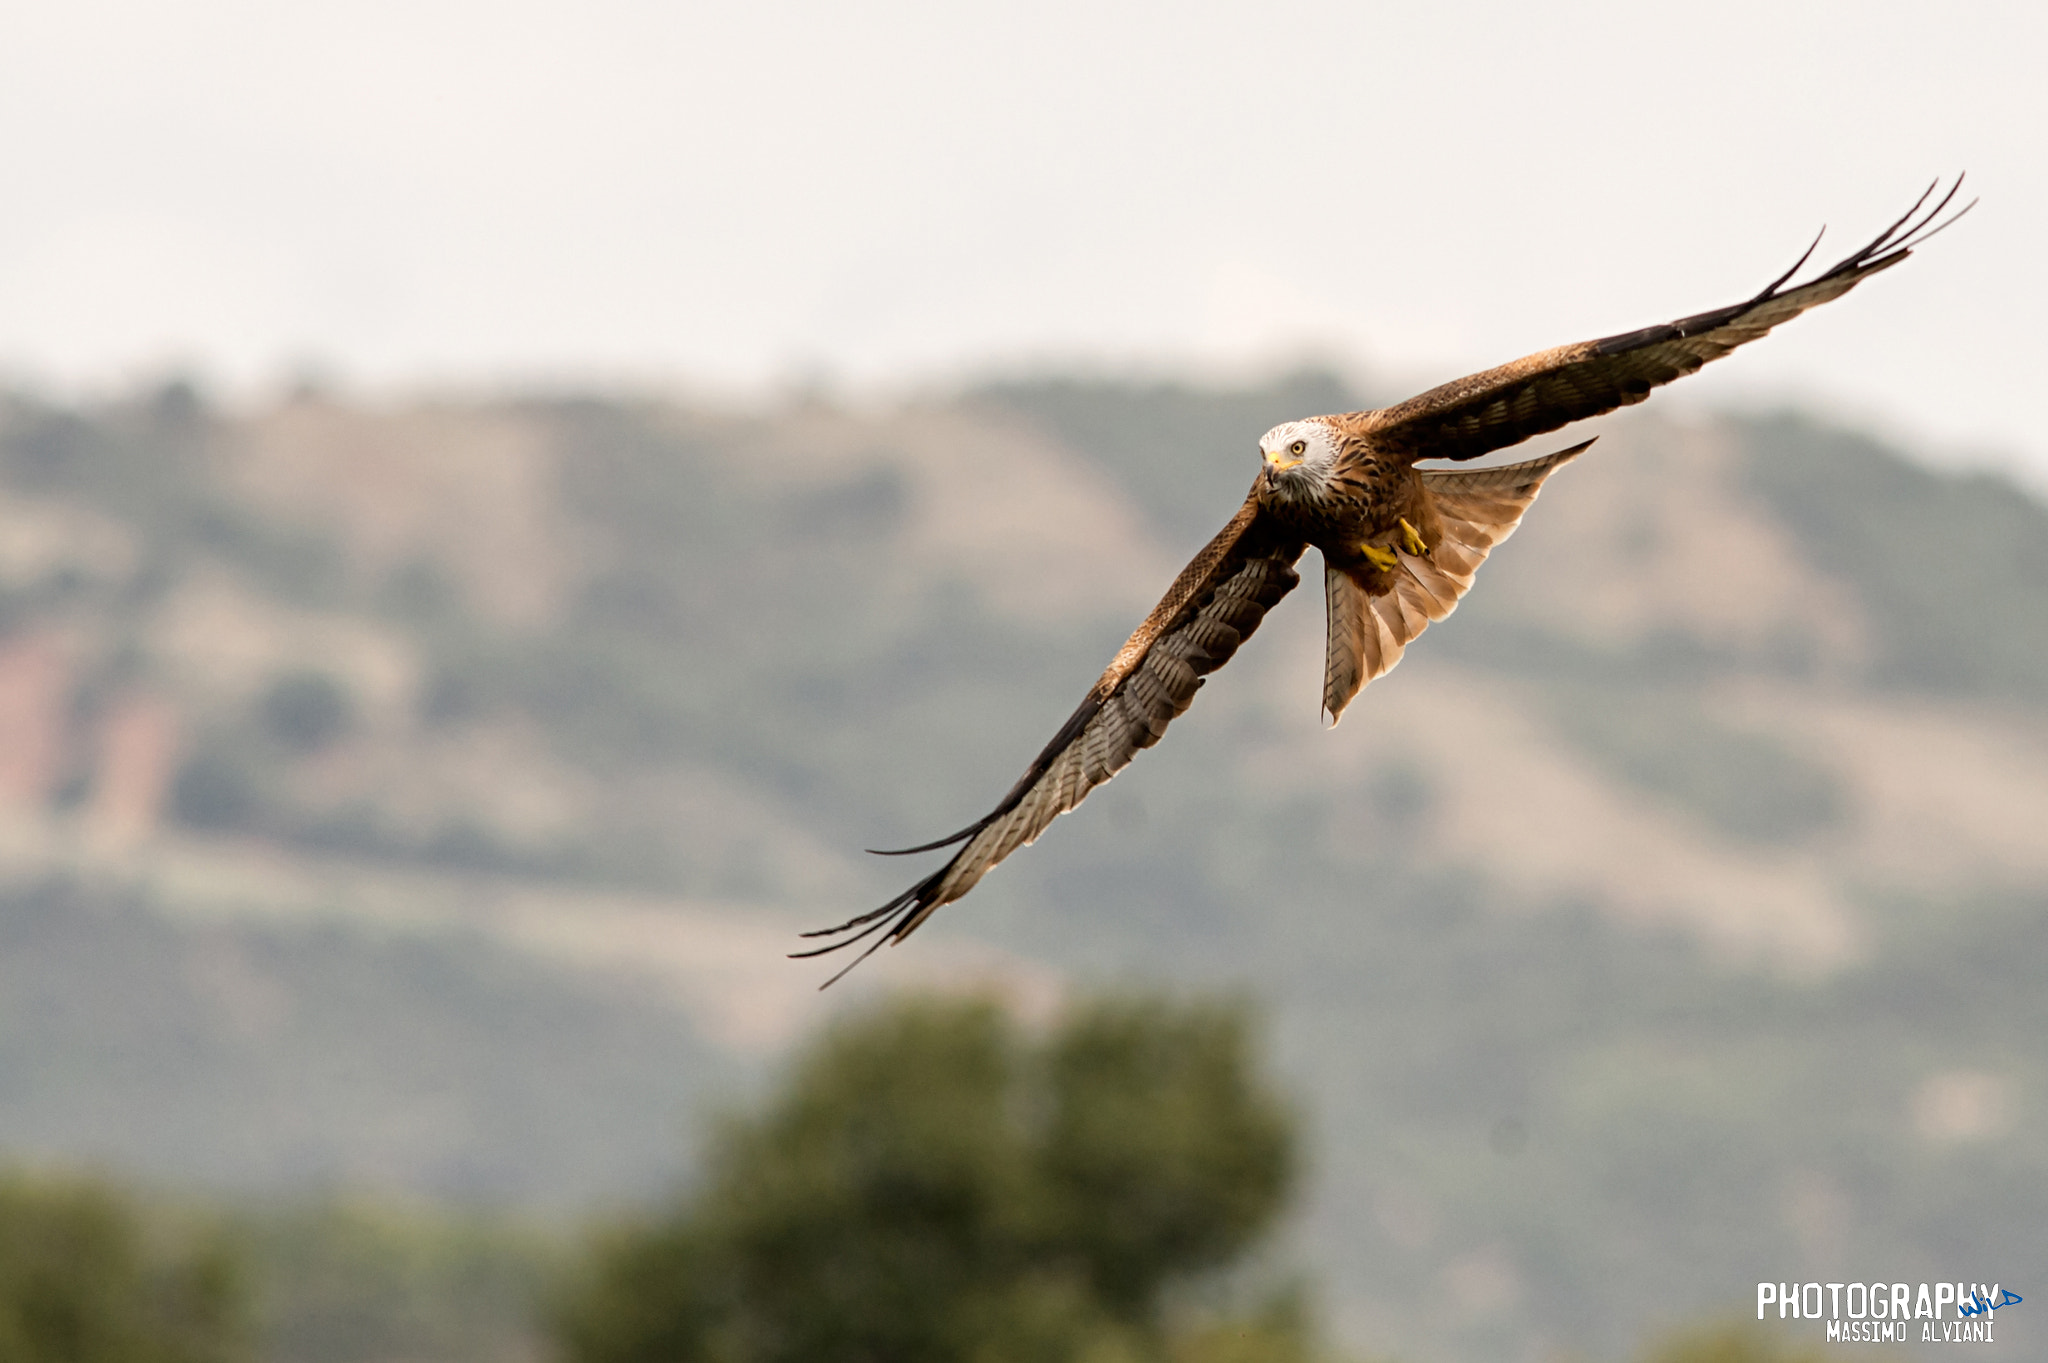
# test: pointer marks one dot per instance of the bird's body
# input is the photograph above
(1399, 546)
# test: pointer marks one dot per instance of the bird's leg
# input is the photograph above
(1416, 545)
(1384, 559)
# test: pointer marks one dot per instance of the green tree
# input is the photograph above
(351, 1281)
(932, 1186)
(83, 1280)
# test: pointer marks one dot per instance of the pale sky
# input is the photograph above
(729, 196)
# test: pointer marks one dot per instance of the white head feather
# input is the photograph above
(1299, 454)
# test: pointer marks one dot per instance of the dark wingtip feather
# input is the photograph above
(1888, 247)
(1906, 216)
(962, 836)
(1770, 290)
(1912, 229)
(870, 916)
(1923, 233)
(843, 971)
(888, 920)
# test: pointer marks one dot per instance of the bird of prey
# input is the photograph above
(1399, 546)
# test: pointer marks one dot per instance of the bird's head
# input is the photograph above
(1299, 455)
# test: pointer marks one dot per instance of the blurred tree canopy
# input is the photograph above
(932, 1185)
(83, 1279)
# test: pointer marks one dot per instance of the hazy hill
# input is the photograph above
(421, 798)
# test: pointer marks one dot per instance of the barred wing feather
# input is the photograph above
(1214, 606)
(1373, 619)
(1496, 408)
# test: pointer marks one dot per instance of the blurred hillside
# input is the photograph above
(420, 800)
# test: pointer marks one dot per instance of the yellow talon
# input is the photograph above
(1416, 545)
(1385, 558)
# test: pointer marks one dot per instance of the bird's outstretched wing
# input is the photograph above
(1212, 607)
(1500, 407)
(1373, 617)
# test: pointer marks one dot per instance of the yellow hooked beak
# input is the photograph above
(1281, 465)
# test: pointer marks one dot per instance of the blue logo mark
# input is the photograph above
(1979, 1304)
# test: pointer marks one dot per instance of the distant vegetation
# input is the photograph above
(362, 1282)
(1953, 568)
(931, 1187)
(1182, 452)
(931, 1183)
(1745, 784)
(285, 1060)
(86, 1278)
(273, 719)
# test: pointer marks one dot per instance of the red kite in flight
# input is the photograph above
(1399, 546)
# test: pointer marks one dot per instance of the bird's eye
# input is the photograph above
(1299, 447)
